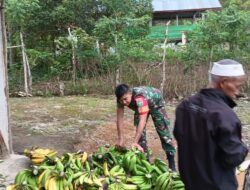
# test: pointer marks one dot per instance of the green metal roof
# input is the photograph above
(174, 32)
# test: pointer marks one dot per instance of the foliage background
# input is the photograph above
(112, 34)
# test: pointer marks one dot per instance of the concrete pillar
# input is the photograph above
(5, 132)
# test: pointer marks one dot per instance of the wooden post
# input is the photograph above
(5, 131)
(118, 70)
(210, 64)
(73, 40)
(29, 79)
(164, 60)
(24, 66)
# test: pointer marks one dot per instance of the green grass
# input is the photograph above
(59, 112)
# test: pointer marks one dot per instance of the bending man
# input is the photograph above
(144, 101)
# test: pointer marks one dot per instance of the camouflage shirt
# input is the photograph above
(152, 95)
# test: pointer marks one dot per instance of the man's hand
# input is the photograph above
(173, 143)
(120, 144)
(137, 146)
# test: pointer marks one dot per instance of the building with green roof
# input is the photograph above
(182, 15)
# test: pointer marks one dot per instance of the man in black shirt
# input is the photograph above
(208, 132)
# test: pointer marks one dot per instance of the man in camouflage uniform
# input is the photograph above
(145, 101)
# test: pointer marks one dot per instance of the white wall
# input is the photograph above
(4, 115)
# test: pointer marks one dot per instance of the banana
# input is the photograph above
(79, 164)
(82, 177)
(60, 184)
(119, 173)
(105, 169)
(126, 160)
(52, 184)
(162, 179)
(37, 161)
(44, 178)
(138, 180)
(128, 186)
(71, 187)
(32, 181)
(161, 165)
(47, 182)
(19, 177)
(157, 170)
(114, 170)
(138, 172)
(178, 185)
(132, 163)
(11, 187)
(38, 155)
(147, 165)
(88, 179)
(59, 165)
(145, 186)
(67, 159)
(112, 186)
(166, 184)
(96, 181)
(77, 175)
(84, 157)
(87, 166)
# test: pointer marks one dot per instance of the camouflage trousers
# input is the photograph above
(161, 123)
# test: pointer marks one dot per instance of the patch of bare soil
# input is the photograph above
(107, 134)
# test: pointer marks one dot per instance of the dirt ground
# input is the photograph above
(42, 122)
(69, 124)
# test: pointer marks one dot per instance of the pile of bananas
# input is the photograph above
(105, 169)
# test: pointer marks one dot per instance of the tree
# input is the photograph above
(126, 20)
(17, 13)
(79, 46)
(222, 33)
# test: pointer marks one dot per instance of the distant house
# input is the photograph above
(181, 13)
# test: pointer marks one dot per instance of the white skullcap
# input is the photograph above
(227, 70)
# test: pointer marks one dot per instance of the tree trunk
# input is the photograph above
(117, 77)
(118, 70)
(210, 63)
(29, 74)
(5, 131)
(74, 65)
(10, 54)
(73, 44)
(25, 72)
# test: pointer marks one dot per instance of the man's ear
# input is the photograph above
(222, 82)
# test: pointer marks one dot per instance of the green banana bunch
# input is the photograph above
(122, 186)
(163, 182)
(161, 165)
(143, 181)
(117, 172)
(87, 178)
(169, 181)
(27, 178)
(129, 162)
(177, 183)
